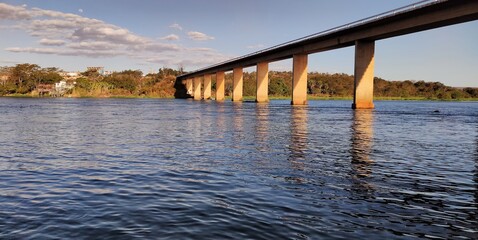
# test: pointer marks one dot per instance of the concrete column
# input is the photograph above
(197, 88)
(262, 90)
(364, 67)
(237, 86)
(207, 87)
(220, 86)
(189, 86)
(299, 80)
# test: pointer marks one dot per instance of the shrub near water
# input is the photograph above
(129, 83)
(126, 80)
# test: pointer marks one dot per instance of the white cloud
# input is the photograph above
(52, 24)
(67, 34)
(8, 27)
(257, 46)
(80, 10)
(198, 36)
(108, 33)
(66, 52)
(34, 50)
(93, 46)
(156, 47)
(171, 37)
(9, 12)
(52, 42)
(192, 57)
(201, 49)
(38, 12)
(176, 26)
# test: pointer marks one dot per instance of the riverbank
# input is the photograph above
(251, 98)
(311, 97)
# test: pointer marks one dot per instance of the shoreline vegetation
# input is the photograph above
(30, 80)
(252, 98)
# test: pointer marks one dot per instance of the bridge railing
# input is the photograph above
(357, 23)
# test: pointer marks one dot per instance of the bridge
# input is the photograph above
(362, 34)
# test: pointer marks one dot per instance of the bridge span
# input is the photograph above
(362, 34)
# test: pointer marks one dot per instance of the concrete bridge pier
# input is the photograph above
(299, 79)
(207, 87)
(262, 78)
(364, 74)
(189, 86)
(238, 82)
(197, 88)
(220, 86)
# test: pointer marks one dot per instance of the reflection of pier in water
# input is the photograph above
(299, 136)
(262, 127)
(362, 142)
(476, 173)
(238, 121)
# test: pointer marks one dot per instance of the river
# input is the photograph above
(179, 169)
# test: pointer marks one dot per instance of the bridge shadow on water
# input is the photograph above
(299, 149)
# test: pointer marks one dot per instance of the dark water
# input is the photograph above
(178, 169)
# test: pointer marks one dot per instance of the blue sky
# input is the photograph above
(149, 34)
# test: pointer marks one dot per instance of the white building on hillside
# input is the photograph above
(63, 86)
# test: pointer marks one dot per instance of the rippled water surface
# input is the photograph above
(178, 169)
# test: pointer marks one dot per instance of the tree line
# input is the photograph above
(341, 85)
(25, 79)
(128, 83)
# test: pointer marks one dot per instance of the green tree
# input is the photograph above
(47, 76)
(472, 92)
(126, 80)
(249, 84)
(84, 83)
(25, 77)
(278, 87)
(92, 74)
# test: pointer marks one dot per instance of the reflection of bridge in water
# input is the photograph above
(362, 34)
(361, 143)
